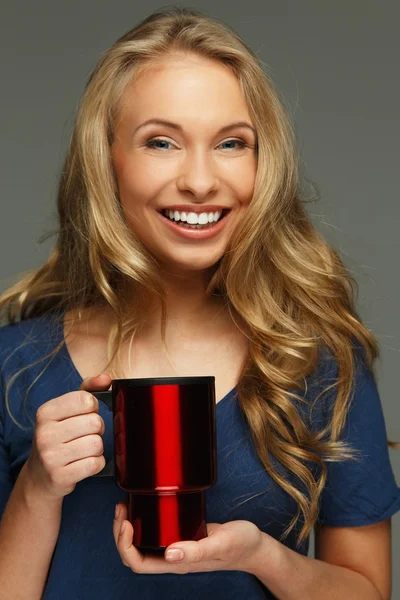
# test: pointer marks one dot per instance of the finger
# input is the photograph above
(67, 405)
(135, 560)
(130, 555)
(81, 469)
(98, 383)
(210, 548)
(121, 514)
(76, 427)
(83, 447)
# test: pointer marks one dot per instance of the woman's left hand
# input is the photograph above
(229, 546)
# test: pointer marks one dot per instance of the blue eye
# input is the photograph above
(242, 144)
(152, 143)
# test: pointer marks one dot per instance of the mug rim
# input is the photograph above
(137, 381)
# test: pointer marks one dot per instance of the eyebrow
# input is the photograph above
(179, 127)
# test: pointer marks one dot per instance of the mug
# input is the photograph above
(164, 455)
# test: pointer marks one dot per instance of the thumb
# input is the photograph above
(98, 383)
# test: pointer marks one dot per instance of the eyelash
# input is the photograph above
(150, 143)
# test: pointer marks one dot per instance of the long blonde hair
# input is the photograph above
(284, 280)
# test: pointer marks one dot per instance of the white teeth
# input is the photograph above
(203, 218)
(193, 218)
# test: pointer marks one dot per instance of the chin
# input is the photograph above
(190, 267)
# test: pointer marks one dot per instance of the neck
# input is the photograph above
(187, 303)
(189, 309)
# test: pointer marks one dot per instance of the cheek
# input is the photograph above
(244, 183)
(140, 179)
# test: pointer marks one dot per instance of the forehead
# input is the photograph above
(186, 87)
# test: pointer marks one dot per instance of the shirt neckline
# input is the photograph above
(79, 378)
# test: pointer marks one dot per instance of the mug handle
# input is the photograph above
(105, 397)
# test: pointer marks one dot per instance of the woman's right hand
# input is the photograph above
(67, 445)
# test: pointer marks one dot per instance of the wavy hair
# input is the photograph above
(285, 281)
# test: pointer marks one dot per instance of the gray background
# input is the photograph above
(335, 65)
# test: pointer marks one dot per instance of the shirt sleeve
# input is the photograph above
(364, 491)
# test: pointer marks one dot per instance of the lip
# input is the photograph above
(196, 234)
(196, 209)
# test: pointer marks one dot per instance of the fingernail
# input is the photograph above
(175, 554)
(117, 511)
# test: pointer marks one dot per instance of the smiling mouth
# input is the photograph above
(165, 213)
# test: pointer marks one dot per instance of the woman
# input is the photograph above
(184, 249)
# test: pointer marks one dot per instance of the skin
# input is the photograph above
(197, 166)
(193, 92)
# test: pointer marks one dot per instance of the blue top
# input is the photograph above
(86, 564)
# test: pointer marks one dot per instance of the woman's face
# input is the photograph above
(190, 166)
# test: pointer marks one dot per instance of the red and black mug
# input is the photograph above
(164, 455)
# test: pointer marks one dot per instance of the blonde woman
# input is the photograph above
(184, 249)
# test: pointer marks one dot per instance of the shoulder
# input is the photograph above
(322, 387)
(30, 336)
(28, 364)
(327, 364)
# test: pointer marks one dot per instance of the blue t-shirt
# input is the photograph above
(86, 564)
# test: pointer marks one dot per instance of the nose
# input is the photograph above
(198, 175)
